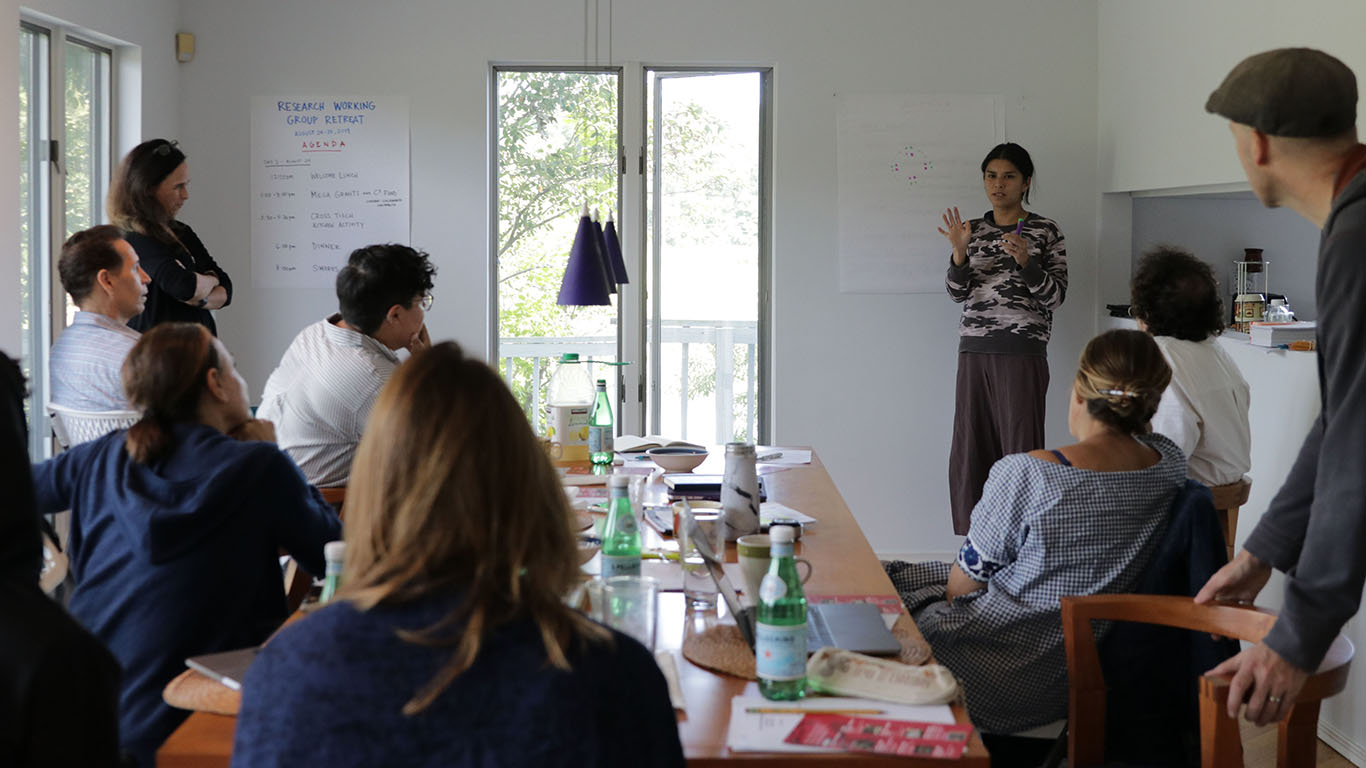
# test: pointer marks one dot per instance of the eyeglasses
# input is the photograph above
(164, 150)
(427, 301)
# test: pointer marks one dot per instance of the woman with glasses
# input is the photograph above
(152, 183)
(449, 643)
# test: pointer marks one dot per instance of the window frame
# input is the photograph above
(636, 414)
(47, 165)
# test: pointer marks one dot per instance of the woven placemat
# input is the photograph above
(193, 691)
(721, 648)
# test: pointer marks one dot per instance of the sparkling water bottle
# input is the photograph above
(334, 555)
(600, 428)
(780, 629)
(621, 535)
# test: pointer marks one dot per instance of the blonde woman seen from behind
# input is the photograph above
(450, 644)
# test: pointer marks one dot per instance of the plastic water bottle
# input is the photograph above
(780, 629)
(334, 553)
(569, 398)
(600, 428)
(621, 536)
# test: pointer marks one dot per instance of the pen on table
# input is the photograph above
(801, 711)
(1019, 226)
(769, 456)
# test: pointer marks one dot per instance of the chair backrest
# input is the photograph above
(1220, 744)
(73, 427)
(1227, 499)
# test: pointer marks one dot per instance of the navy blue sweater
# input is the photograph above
(180, 557)
(329, 690)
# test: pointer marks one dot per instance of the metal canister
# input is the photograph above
(740, 491)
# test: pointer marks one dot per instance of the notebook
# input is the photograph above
(852, 626)
(227, 667)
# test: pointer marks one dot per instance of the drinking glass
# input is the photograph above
(630, 604)
(698, 585)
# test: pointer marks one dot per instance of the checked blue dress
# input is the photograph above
(1041, 531)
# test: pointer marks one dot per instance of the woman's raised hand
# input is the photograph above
(957, 232)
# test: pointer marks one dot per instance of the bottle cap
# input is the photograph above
(618, 481)
(781, 534)
(602, 384)
(334, 551)
(569, 357)
(1278, 302)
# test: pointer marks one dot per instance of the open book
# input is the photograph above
(637, 444)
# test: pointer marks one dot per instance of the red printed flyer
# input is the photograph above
(880, 736)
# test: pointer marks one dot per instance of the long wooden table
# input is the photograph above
(844, 563)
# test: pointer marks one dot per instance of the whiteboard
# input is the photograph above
(328, 175)
(902, 159)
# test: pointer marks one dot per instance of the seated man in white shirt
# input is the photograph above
(1204, 411)
(101, 272)
(320, 395)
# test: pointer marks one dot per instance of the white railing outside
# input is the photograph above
(725, 335)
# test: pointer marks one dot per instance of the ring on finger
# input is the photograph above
(1274, 699)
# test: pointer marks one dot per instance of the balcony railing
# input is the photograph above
(725, 335)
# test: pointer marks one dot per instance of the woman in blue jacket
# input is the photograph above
(178, 522)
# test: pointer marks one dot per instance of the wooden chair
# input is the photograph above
(1227, 499)
(298, 581)
(1220, 741)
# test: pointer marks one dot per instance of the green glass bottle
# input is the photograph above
(621, 535)
(780, 629)
(600, 428)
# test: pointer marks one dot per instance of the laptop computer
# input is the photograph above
(227, 667)
(851, 626)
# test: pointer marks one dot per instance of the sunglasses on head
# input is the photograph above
(164, 149)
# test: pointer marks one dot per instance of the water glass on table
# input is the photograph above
(628, 604)
(698, 585)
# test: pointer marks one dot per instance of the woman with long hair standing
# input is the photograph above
(151, 185)
(450, 643)
(177, 524)
(1009, 271)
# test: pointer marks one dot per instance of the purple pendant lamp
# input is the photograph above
(614, 257)
(596, 266)
(586, 280)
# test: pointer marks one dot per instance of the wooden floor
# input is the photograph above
(1259, 749)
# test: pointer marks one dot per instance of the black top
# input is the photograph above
(58, 685)
(173, 269)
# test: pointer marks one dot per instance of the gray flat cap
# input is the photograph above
(1292, 92)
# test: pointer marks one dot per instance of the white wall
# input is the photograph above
(1159, 61)
(867, 380)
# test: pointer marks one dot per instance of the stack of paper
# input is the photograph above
(765, 731)
(1276, 334)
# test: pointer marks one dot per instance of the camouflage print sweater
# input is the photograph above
(1008, 309)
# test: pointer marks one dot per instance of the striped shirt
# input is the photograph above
(320, 396)
(86, 363)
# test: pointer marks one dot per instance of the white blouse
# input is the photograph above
(1204, 410)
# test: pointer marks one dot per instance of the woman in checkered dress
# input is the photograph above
(1078, 520)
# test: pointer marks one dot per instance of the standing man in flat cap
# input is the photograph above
(1293, 116)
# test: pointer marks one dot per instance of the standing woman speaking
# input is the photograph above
(1009, 270)
(152, 183)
